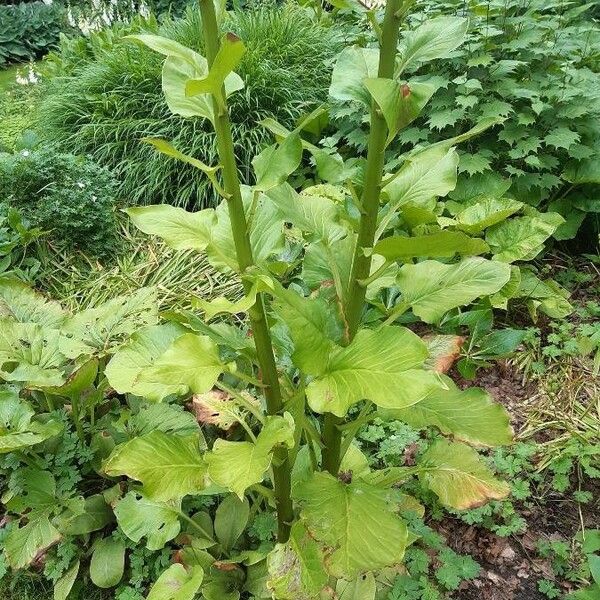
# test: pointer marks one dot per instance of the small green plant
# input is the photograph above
(69, 197)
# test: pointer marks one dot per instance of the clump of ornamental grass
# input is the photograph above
(114, 98)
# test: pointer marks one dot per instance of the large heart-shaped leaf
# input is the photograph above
(190, 363)
(110, 323)
(238, 465)
(296, 570)
(469, 415)
(21, 303)
(522, 238)
(355, 522)
(139, 517)
(436, 38)
(486, 212)
(352, 67)
(143, 348)
(432, 288)
(178, 228)
(36, 356)
(177, 584)
(277, 162)
(424, 177)
(169, 466)
(23, 544)
(443, 244)
(381, 365)
(17, 430)
(458, 476)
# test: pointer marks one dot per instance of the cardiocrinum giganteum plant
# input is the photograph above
(328, 273)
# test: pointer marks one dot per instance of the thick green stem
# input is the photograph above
(257, 314)
(369, 205)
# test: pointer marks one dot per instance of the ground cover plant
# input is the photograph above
(293, 437)
(112, 99)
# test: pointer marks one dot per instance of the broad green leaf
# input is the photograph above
(181, 65)
(23, 544)
(190, 363)
(78, 381)
(164, 46)
(296, 570)
(227, 59)
(143, 348)
(277, 162)
(313, 327)
(355, 522)
(64, 585)
(443, 244)
(168, 418)
(591, 592)
(231, 519)
(469, 415)
(238, 465)
(400, 103)
(431, 288)
(583, 171)
(522, 238)
(424, 177)
(312, 213)
(364, 587)
(265, 228)
(37, 493)
(459, 477)
(178, 228)
(436, 38)
(220, 304)
(176, 583)
(165, 147)
(169, 466)
(485, 213)
(95, 516)
(108, 563)
(36, 356)
(547, 295)
(383, 365)
(108, 324)
(140, 517)
(352, 67)
(320, 263)
(17, 430)
(23, 304)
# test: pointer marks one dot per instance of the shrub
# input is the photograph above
(536, 67)
(30, 30)
(71, 197)
(114, 99)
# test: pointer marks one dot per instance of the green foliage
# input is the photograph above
(30, 30)
(285, 71)
(536, 68)
(18, 104)
(71, 198)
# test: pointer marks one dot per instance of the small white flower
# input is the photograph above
(25, 152)
(81, 184)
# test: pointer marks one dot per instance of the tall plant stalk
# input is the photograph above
(369, 205)
(257, 314)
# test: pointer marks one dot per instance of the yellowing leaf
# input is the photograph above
(169, 466)
(190, 363)
(383, 365)
(177, 584)
(432, 288)
(355, 522)
(469, 415)
(458, 476)
(238, 465)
